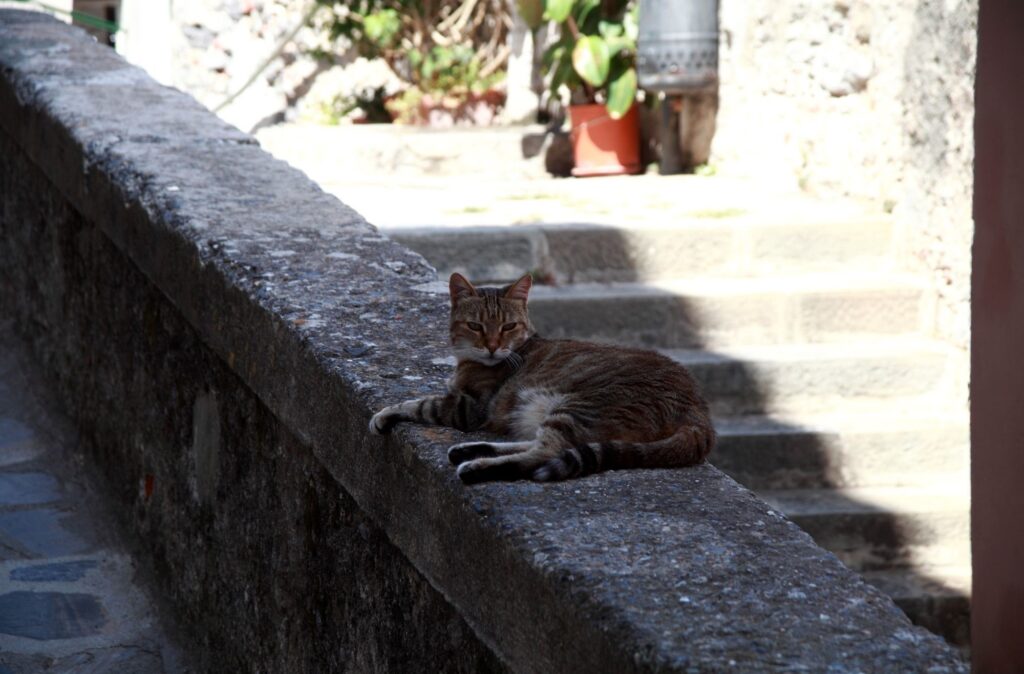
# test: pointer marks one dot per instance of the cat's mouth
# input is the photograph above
(497, 358)
(484, 357)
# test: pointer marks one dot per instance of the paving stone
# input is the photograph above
(13, 431)
(17, 442)
(58, 571)
(39, 533)
(28, 488)
(20, 663)
(127, 660)
(50, 615)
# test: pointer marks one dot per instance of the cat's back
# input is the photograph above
(611, 392)
(573, 365)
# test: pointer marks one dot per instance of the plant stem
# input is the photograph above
(575, 30)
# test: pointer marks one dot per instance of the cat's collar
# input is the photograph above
(516, 359)
(528, 344)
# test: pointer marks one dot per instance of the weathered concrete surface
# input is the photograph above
(155, 269)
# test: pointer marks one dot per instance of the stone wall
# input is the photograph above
(862, 98)
(211, 48)
(221, 331)
(273, 566)
(218, 46)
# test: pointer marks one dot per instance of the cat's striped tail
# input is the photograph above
(688, 446)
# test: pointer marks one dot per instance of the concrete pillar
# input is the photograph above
(522, 101)
(145, 37)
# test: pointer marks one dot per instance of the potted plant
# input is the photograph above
(595, 60)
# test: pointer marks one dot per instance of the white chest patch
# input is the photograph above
(532, 408)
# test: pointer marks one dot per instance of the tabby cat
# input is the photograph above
(570, 408)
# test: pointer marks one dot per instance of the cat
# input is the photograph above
(571, 408)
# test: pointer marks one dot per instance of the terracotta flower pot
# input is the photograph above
(603, 146)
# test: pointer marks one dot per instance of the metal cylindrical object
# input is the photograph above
(677, 46)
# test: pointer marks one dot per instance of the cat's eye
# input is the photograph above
(508, 326)
(475, 326)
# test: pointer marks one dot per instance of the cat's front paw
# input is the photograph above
(467, 451)
(382, 422)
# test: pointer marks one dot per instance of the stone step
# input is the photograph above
(749, 245)
(876, 446)
(939, 599)
(876, 528)
(806, 377)
(713, 313)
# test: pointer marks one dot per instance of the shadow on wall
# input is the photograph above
(796, 468)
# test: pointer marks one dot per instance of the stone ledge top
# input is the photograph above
(326, 320)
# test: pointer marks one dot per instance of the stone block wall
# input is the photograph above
(211, 48)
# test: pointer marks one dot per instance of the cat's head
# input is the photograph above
(488, 324)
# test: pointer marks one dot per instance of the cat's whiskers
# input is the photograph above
(514, 361)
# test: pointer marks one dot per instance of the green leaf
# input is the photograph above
(618, 44)
(591, 58)
(532, 12)
(382, 27)
(552, 54)
(609, 29)
(585, 17)
(631, 22)
(621, 93)
(557, 10)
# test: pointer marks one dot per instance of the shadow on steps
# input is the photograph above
(858, 488)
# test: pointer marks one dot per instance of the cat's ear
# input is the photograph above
(459, 288)
(519, 290)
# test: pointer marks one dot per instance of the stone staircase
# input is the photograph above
(832, 400)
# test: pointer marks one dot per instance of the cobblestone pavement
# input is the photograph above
(70, 596)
